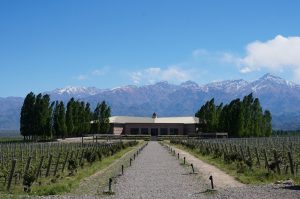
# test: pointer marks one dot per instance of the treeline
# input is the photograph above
(43, 119)
(286, 133)
(240, 118)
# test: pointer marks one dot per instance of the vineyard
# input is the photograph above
(268, 158)
(27, 165)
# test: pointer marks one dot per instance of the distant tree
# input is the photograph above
(59, 120)
(104, 119)
(238, 118)
(62, 120)
(247, 103)
(55, 114)
(27, 115)
(101, 118)
(40, 119)
(69, 117)
(267, 123)
(87, 118)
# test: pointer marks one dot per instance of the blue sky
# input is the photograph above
(52, 44)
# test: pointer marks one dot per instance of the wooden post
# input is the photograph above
(242, 153)
(291, 163)
(109, 185)
(257, 156)
(49, 165)
(65, 162)
(56, 165)
(193, 168)
(77, 153)
(27, 165)
(249, 153)
(266, 160)
(211, 181)
(81, 157)
(39, 168)
(276, 161)
(11, 174)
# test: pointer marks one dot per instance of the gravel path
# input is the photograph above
(221, 179)
(157, 174)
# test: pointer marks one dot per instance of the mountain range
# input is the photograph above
(280, 96)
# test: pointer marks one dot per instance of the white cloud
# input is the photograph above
(200, 52)
(81, 77)
(91, 74)
(155, 74)
(278, 54)
(100, 71)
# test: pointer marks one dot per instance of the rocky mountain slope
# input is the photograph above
(281, 97)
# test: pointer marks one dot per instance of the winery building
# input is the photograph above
(154, 126)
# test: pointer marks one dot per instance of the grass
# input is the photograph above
(67, 184)
(64, 183)
(256, 176)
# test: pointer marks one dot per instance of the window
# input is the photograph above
(164, 131)
(173, 131)
(134, 131)
(144, 131)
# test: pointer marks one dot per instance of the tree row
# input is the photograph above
(43, 119)
(240, 118)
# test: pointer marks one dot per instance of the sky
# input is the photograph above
(52, 44)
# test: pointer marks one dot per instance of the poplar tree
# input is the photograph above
(27, 115)
(69, 117)
(238, 118)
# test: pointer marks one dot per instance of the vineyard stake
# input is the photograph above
(49, 165)
(11, 174)
(276, 161)
(109, 185)
(27, 164)
(39, 167)
(291, 163)
(56, 165)
(266, 160)
(211, 181)
(65, 162)
(257, 156)
(193, 168)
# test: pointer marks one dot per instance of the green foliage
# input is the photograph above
(41, 120)
(59, 120)
(36, 114)
(27, 112)
(238, 118)
(72, 166)
(101, 118)
(90, 156)
(28, 179)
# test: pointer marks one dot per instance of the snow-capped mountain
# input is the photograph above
(281, 97)
(72, 91)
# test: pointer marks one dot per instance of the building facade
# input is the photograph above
(153, 126)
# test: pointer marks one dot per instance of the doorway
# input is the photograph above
(154, 131)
